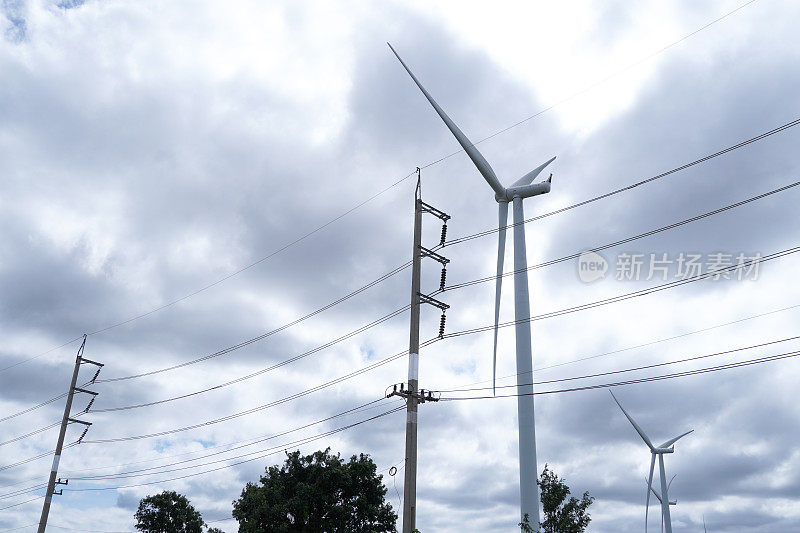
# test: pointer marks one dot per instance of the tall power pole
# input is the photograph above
(410, 486)
(413, 394)
(65, 420)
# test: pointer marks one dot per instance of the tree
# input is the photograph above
(560, 515)
(168, 512)
(316, 493)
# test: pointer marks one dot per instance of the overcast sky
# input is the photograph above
(149, 150)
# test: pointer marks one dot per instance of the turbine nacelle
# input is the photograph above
(523, 188)
(524, 192)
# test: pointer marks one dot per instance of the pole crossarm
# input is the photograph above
(433, 255)
(441, 215)
(424, 298)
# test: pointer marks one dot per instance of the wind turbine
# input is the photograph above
(666, 447)
(516, 193)
(658, 497)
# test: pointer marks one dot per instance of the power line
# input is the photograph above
(272, 254)
(243, 443)
(453, 287)
(34, 458)
(21, 503)
(20, 492)
(627, 296)
(551, 314)
(649, 343)
(163, 469)
(634, 369)
(757, 138)
(267, 405)
(263, 370)
(250, 442)
(29, 409)
(88, 530)
(627, 239)
(158, 469)
(20, 527)
(661, 377)
(34, 432)
(42, 404)
(267, 334)
(279, 448)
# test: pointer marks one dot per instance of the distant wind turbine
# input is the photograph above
(666, 447)
(519, 190)
(658, 497)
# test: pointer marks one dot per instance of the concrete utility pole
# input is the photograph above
(413, 394)
(410, 486)
(65, 420)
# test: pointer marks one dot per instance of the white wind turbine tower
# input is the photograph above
(666, 447)
(519, 190)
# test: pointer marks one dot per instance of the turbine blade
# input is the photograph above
(636, 426)
(530, 176)
(655, 492)
(670, 442)
(671, 480)
(649, 488)
(704, 524)
(477, 158)
(502, 221)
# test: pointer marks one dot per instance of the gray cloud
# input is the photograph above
(135, 174)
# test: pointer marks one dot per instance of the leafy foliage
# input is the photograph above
(316, 493)
(561, 515)
(525, 525)
(167, 512)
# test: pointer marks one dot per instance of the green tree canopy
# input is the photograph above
(316, 493)
(167, 512)
(560, 515)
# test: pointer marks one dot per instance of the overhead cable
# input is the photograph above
(739, 364)
(751, 140)
(625, 240)
(627, 296)
(626, 370)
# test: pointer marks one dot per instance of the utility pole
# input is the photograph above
(410, 485)
(413, 395)
(65, 421)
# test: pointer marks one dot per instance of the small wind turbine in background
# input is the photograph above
(658, 497)
(666, 447)
(519, 190)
